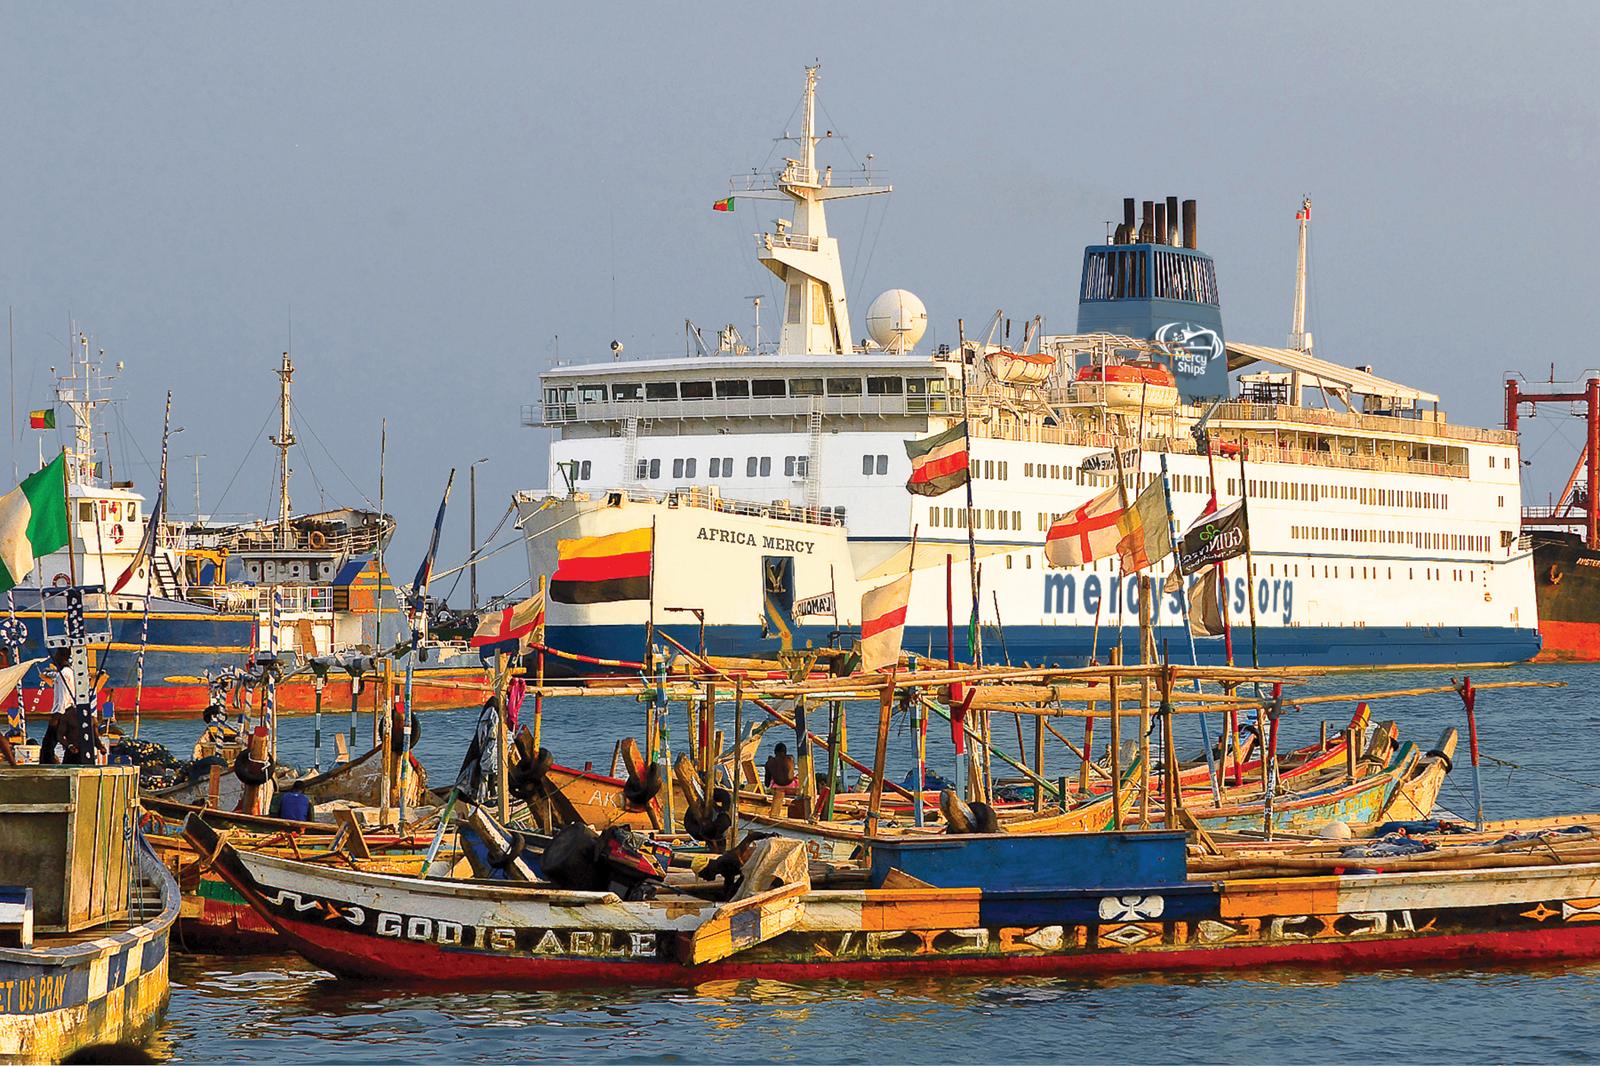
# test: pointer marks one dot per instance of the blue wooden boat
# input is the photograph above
(1011, 861)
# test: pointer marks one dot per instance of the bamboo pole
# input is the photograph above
(738, 748)
(1116, 743)
(875, 800)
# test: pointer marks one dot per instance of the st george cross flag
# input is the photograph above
(939, 462)
(1146, 534)
(883, 623)
(1086, 534)
(511, 630)
(33, 521)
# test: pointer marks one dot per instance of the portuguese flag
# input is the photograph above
(939, 462)
(723, 205)
(33, 521)
(603, 569)
(45, 419)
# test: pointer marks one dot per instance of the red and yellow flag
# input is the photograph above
(1146, 535)
(603, 569)
(725, 204)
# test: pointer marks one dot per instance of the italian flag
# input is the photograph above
(45, 419)
(939, 462)
(33, 521)
(723, 205)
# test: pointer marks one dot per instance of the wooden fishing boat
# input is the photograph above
(83, 936)
(214, 917)
(1096, 918)
(359, 782)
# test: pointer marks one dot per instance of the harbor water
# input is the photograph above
(1535, 743)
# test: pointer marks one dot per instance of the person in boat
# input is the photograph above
(294, 804)
(779, 770)
(71, 738)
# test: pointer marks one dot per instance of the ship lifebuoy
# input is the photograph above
(61, 581)
(317, 540)
(1555, 574)
(117, 533)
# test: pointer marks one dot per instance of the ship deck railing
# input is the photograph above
(292, 599)
(697, 497)
(734, 408)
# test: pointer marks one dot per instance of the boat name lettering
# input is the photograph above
(417, 927)
(1589, 562)
(766, 541)
(33, 995)
(1085, 594)
(604, 942)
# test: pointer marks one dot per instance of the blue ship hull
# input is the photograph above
(1069, 646)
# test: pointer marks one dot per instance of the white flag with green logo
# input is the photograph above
(33, 522)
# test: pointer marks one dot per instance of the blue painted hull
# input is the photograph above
(1071, 645)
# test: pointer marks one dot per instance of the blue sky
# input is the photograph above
(420, 199)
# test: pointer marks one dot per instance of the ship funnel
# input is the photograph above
(1161, 223)
(1126, 230)
(1170, 234)
(1147, 223)
(1191, 239)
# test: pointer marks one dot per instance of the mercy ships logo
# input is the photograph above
(1193, 347)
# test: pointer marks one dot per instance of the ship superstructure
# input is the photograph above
(1382, 532)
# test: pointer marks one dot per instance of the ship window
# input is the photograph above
(885, 386)
(655, 469)
(769, 387)
(883, 464)
(789, 465)
(627, 390)
(133, 509)
(661, 390)
(586, 470)
(866, 464)
(819, 304)
(86, 511)
(695, 390)
(766, 466)
(688, 468)
(792, 312)
(805, 386)
(844, 386)
(591, 394)
(677, 469)
(918, 386)
(750, 466)
(733, 387)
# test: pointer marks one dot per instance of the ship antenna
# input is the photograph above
(1299, 339)
(283, 442)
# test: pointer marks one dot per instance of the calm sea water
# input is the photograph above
(284, 1010)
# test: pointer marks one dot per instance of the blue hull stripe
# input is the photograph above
(1070, 645)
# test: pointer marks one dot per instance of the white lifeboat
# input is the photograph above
(1013, 368)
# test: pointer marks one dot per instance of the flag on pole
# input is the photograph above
(45, 419)
(603, 569)
(511, 630)
(883, 623)
(1086, 534)
(33, 521)
(939, 462)
(1214, 538)
(147, 543)
(1145, 535)
(1205, 607)
(725, 204)
(419, 585)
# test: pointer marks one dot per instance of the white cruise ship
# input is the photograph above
(1382, 534)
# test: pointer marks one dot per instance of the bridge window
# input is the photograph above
(732, 388)
(844, 386)
(627, 390)
(769, 387)
(591, 394)
(885, 386)
(805, 386)
(695, 390)
(661, 390)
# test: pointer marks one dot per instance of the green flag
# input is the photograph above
(33, 521)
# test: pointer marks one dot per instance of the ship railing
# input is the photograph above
(1244, 411)
(695, 496)
(728, 407)
(1554, 514)
(766, 242)
(292, 599)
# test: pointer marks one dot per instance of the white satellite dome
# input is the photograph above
(897, 320)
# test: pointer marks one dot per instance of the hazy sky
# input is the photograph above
(429, 195)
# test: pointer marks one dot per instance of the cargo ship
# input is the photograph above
(1565, 534)
(1383, 533)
